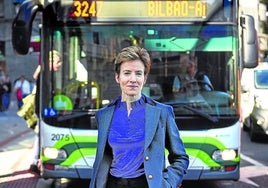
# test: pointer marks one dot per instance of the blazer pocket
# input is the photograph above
(165, 183)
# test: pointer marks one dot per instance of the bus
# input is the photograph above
(88, 34)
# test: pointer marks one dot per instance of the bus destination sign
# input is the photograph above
(138, 10)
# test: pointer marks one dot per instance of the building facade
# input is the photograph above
(11, 63)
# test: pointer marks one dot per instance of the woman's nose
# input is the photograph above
(133, 78)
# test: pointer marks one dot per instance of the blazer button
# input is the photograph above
(150, 176)
(147, 158)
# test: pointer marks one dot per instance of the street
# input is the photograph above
(16, 142)
(253, 170)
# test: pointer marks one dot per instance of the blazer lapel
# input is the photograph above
(152, 117)
(104, 123)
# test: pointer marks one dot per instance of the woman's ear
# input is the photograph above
(116, 78)
(145, 79)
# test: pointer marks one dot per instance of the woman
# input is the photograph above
(55, 64)
(134, 131)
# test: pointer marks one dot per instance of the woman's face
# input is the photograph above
(131, 78)
(56, 64)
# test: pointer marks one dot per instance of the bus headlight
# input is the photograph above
(54, 153)
(227, 154)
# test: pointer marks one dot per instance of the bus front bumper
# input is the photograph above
(74, 173)
(206, 174)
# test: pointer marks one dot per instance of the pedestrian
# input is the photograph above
(30, 109)
(2, 91)
(27, 111)
(7, 93)
(35, 164)
(134, 131)
(22, 88)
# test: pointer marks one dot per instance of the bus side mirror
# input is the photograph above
(250, 46)
(22, 26)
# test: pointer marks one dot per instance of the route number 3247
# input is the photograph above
(86, 8)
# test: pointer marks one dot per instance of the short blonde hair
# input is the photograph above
(132, 53)
(54, 53)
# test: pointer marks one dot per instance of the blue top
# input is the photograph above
(126, 138)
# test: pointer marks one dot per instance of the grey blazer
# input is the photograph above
(160, 132)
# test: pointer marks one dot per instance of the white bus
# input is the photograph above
(89, 33)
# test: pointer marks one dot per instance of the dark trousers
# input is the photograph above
(139, 182)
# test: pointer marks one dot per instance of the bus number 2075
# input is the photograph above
(57, 137)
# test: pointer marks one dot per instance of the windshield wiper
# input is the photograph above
(198, 112)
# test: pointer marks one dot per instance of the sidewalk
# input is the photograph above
(11, 127)
(14, 171)
(16, 141)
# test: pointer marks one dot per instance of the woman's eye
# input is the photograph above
(139, 73)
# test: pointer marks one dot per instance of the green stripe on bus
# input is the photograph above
(75, 139)
(198, 147)
(76, 155)
(203, 140)
(72, 158)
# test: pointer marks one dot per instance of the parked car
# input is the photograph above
(254, 103)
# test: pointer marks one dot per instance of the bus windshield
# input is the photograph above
(85, 80)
